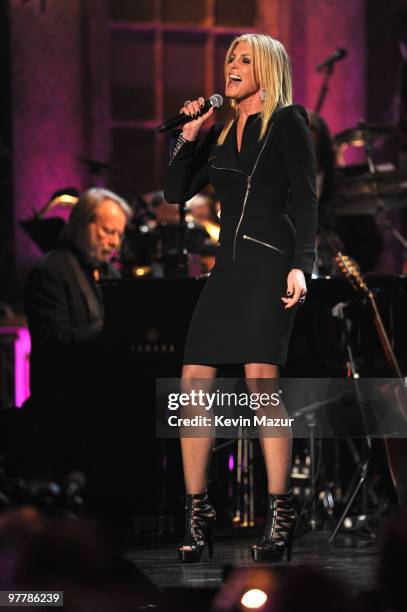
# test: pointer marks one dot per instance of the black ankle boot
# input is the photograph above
(199, 528)
(279, 530)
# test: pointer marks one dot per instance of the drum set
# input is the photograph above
(381, 189)
(362, 202)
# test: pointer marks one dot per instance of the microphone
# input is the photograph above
(335, 57)
(216, 101)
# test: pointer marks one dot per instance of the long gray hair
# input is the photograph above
(84, 212)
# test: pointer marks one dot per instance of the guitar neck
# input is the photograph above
(384, 338)
(352, 274)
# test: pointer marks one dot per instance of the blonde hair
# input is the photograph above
(272, 70)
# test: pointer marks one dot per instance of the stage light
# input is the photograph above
(64, 199)
(246, 588)
(141, 270)
(253, 599)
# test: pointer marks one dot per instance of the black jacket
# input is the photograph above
(257, 186)
(65, 318)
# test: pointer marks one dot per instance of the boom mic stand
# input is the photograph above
(181, 265)
(328, 72)
(363, 467)
(313, 521)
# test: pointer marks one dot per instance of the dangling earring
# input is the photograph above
(263, 94)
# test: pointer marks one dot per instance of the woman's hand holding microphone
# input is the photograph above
(191, 129)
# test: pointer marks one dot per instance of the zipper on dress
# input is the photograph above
(230, 169)
(266, 244)
(249, 178)
(246, 195)
(248, 185)
(262, 149)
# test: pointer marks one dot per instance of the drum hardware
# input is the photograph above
(358, 137)
(367, 194)
(244, 498)
(362, 465)
(244, 508)
(381, 209)
(300, 475)
(313, 519)
(178, 266)
(376, 192)
(244, 482)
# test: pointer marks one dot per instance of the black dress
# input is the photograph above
(240, 317)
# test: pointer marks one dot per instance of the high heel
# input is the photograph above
(199, 528)
(279, 530)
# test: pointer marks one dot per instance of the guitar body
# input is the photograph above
(396, 448)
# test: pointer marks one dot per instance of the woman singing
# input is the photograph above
(259, 162)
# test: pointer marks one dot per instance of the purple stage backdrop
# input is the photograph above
(48, 106)
(61, 87)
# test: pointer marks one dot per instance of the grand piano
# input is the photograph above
(147, 321)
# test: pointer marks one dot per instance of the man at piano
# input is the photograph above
(63, 301)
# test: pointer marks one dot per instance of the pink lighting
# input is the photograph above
(22, 348)
(22, 366)
(231, 462)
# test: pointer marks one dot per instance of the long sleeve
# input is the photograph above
(188, 169)
(47, 308)
(299, 156)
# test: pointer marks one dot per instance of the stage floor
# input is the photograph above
(353, 560)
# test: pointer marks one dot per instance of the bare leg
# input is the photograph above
(277, 452)
(196, 452)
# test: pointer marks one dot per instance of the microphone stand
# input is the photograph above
(362, 470)
(328, 70)
(181, 264)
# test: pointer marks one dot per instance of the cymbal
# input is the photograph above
(367, 206)
(358, 196)
(364, 132)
